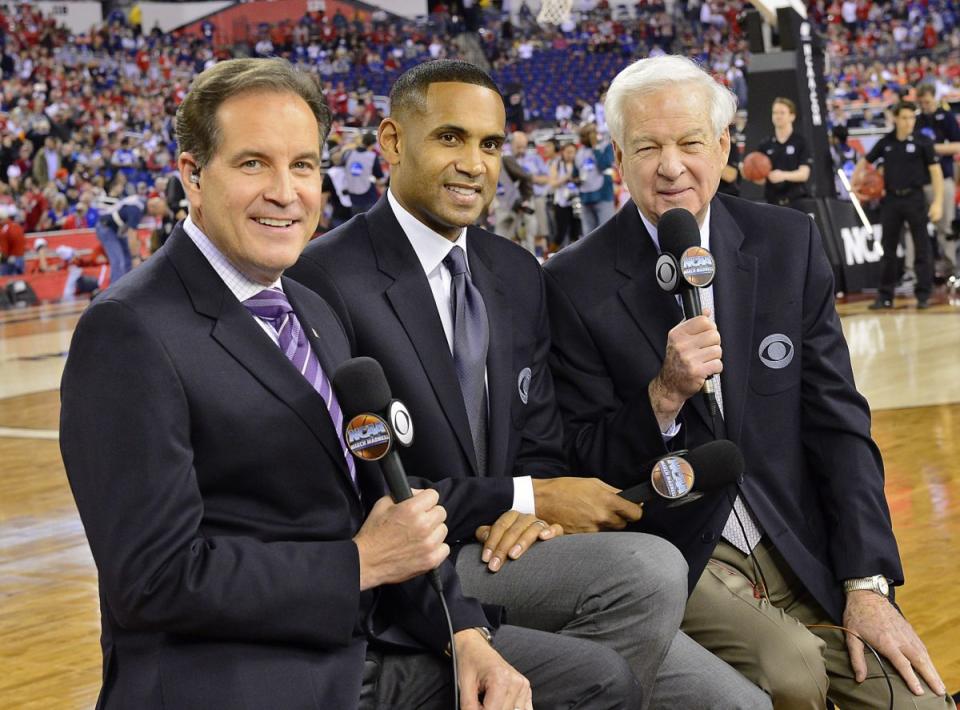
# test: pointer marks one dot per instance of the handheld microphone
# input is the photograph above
(683, 268)
(711, 466)
(374, 423)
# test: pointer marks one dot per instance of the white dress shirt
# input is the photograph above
(238, 283)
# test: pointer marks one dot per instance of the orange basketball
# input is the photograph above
(756, 166)
(869, 186)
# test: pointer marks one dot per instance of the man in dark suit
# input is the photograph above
(417, 288)
(245, 560)
(805, 535)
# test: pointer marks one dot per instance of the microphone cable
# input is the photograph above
(762, 590)
(435, 582)
(886, 676)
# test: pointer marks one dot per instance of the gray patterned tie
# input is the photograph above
(471, 336)
(732, 532)
(272, 305)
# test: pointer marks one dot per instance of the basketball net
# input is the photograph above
(554, 12)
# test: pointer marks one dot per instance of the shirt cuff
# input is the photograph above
(523, 495)
(671, 431)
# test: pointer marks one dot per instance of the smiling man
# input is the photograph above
(457, 317)
(803, 538)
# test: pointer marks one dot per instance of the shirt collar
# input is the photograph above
(704, 230)
(239, 284)
(431, 248)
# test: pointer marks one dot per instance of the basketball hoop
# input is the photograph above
(554, 12)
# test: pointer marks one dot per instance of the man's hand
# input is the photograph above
(483, 672)
(511, 535)
(692, 355)
(935, 211)
(884, 628)
(401, 540)
(582, 505)
(775, 176)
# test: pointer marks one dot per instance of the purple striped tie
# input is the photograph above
(272, 305)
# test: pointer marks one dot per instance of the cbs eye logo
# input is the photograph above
(776, 351)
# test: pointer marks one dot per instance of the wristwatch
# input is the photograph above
(482, 630)
(877, 583)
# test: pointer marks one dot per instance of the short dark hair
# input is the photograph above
(926, 90)
(903, 106)
(409, 92)
(198, 132)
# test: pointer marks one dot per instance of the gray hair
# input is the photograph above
(650, 75)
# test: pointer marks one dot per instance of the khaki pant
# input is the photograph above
(769, 643)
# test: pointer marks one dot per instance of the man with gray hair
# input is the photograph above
(802, 541)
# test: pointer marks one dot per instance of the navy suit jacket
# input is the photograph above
(218, 504)
(814, 477)
(369, 273)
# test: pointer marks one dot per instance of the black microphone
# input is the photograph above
(711, 466)
(374, 423)
(692, 268)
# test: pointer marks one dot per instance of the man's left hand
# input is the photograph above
(775, 176)
(484, 673)
(935, 211)
(884, 628)
(511, 535)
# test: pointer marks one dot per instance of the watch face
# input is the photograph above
(883, 586)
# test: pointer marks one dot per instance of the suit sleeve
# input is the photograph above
(604, 435)
(841, 455)
(125, 434)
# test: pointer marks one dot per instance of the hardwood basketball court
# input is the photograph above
(906, 362)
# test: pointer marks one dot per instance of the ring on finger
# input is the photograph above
(542, 523)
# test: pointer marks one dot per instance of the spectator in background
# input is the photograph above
(363, 173)
(515, 213)
(594, 163)
(535, 165)
(12, 242)
(115, 230)
(790, 156)
(938, 123)
(566, 197)
(730, 175)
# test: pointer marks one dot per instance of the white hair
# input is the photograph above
(650, 75)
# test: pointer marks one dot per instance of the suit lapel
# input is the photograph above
(500, 365)
(735, 292)
(412, 301)
(653, 310)
(238, 333)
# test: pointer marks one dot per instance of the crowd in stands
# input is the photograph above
(87, 119)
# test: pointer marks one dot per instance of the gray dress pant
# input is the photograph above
(623, 591)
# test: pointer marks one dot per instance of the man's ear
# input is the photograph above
(189, 172)
(617, 156)
(390, 135)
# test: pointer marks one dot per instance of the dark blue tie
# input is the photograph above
(471, 336)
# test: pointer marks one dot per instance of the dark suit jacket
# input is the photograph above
(369, 273)
(814, 477)
(218, 505)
